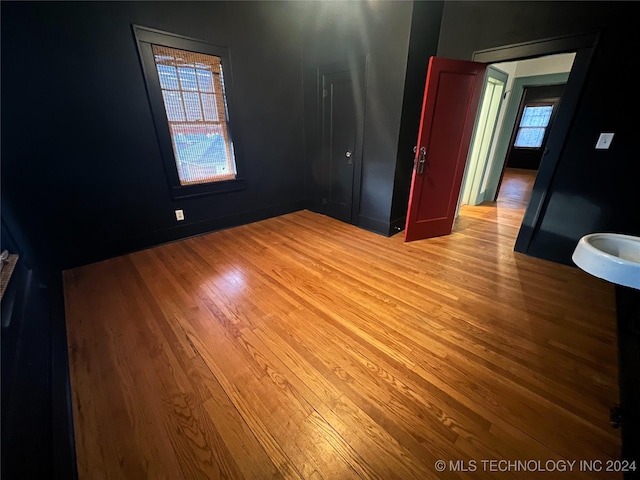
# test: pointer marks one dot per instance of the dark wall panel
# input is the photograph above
(81, 168)
(592, 190)
(351, 31)
(468, 26)
(423, 43)
(596, 190)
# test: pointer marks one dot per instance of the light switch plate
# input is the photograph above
(604, 141)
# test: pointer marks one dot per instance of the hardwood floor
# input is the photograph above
(516, 187)
(303, 347)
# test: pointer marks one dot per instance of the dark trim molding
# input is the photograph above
(374, 225)
(63, 438)
(363, 63)
(584, 46)
(397, 225)
(536, 48)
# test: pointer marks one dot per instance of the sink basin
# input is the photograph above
(610, 256)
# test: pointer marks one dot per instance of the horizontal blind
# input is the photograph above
(194, 100)
(533, 124)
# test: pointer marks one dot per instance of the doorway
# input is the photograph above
(537, 111)
(484, 136)
(485, 171)
(584, 47)
(341, 90)
(527, 145)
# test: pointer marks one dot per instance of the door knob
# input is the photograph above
(349, 154)
(421, 160)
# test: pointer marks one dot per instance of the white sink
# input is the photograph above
(610, 256)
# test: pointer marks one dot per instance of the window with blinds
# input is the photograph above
(533, 125)
(190, 91)
(194, 100)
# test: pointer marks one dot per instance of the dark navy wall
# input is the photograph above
(81, 170)
(592, 190)
(82, 178)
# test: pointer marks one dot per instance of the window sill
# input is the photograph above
(206, 189)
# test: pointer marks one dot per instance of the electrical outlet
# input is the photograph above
(604, 141)
(179, 215)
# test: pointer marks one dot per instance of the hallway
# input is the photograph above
(506, 213)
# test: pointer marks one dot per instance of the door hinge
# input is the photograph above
(324, 92)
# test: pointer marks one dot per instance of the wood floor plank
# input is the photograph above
(303, 347)
(462, 339)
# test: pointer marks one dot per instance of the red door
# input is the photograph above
(451, 98)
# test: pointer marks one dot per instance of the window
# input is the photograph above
(190, 103)
(533, 125)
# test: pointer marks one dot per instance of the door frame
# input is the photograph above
(584, 46)
(358, 69)
(511, 112)
(516, 126)
(496, 74)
